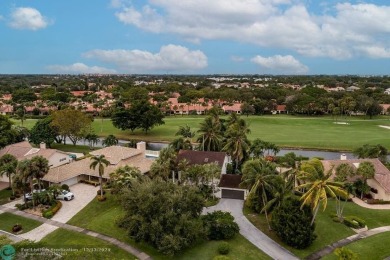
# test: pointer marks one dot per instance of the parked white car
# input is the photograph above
(65, 195)
(29, 196)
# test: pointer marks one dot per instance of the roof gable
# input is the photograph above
(201, 157)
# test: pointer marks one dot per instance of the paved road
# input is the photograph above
(250, 232)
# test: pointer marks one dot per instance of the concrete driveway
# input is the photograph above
(83, 194)
(249, 231)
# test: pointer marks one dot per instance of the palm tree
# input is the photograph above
(40, 167)
(367, 171)
(24, 175)
(259, 177)
(318, 186)
(100, 161)
(165, 164)
(124, 177)
(237, 143)
(210, 138)
(8, 166)
(110, 141)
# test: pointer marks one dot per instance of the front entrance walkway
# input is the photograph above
(249, 231)
(370, 206)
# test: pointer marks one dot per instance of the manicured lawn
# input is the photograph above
(62, 238)
(8, 220)
(101, 217)
(4, 196)
(374, 248)
(72, 148)
(327, 230)
(286, 131)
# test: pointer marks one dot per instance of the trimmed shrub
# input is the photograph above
(50, 212)
(354, 222)
(101, 198)
(65, 187)
(47, 214)
(12, 198)
(292, 224)
(376, 201)
(98, 192)
(94, 183)
(224, 248)
(16, 228)
(345, 254)
(220, 225)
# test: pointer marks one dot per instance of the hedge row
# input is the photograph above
(94, 183)
(50, 212)
(376, 201)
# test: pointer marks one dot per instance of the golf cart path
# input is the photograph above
(249, 231)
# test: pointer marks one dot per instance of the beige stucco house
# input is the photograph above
(118, 156)
(380, 184)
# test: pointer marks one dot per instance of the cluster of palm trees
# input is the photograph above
(22, 174)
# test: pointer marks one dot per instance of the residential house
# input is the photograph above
(387, 91)
(234, 108)
(385, 109)
(279, 109)
(24, 150)
(380, 184)
(118, 156)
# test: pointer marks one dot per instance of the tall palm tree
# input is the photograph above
(40, 167)
(237, 144)
(318, 186)
(259, 176)
(8, 164)
(210, 138)
(25, 174)
(101, 162)
(367, 171)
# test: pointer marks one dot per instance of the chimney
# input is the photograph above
(343, 157)
(141, 146)
(42, 145)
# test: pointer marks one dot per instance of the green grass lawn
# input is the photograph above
(101, 217)
(4, 196)
(327, 230)
(286, 131)
(62, 238)
(72, 148)
(374, 247)
(8, 220)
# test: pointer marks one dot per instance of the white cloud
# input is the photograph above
(27, 18)
(80, 68)
(341, 33)
(170, 58)
(237, 58)
(281, 64)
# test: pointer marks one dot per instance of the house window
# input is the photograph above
(62, 159)
(206, 159)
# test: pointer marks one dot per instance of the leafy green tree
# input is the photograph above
(71, 123)
(220, 225)
(343, 171)
(8, 164)
(110, 140)
(124, 177)
(163, 214)
(7, 135)
(23, 95)
(181, 144)
(247, 109)
(125, 119)
(100, 161)
(43, 131)
(291, 222)
(371, 151)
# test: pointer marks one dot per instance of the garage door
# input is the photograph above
(233, 194)
(70, 182)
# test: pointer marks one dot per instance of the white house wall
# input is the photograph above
(381, 195)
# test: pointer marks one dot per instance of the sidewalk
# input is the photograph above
(370, 206)
(134, 251)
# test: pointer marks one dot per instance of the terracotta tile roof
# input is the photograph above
(74, 169)
(382, 174)
(230, 181)
(235, 107)
(18, 150)
(201, 157)
(281, 107)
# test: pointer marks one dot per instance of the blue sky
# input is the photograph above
(195, 36)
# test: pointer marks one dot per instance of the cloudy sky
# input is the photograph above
(195, 36)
